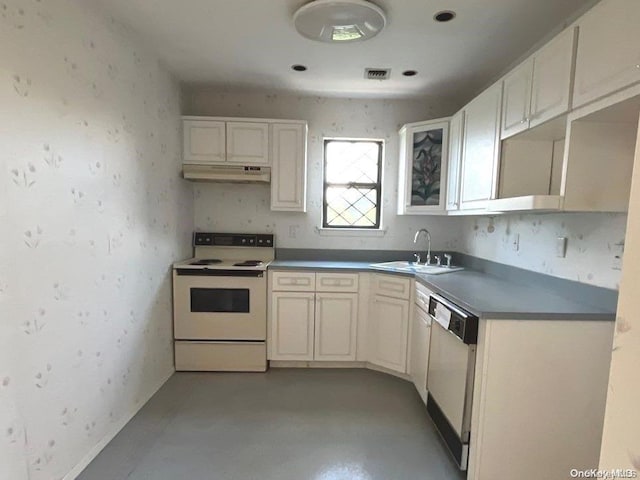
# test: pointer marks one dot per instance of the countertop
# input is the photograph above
(482, 294)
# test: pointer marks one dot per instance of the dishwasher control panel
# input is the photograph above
(461, 323)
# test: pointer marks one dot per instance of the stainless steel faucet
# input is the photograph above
(415, 240)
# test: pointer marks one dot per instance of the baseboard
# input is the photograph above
(318, 364)
(314, 364)
(97, 448)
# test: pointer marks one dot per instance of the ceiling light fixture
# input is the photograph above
(339, 21)
(444, 16)
(299, 68)
(409, 73)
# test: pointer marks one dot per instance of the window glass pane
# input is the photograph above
(352, 162)
(351, 206)
(352, 183)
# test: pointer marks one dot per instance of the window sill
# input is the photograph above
(351, 232)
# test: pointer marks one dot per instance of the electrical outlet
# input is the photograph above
(293, 231)
(515, 244)
(561, 247)
(619, 252)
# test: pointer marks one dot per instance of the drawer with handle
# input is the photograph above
(293, 281)
(422, 297)
(337, 282)
(392, 286)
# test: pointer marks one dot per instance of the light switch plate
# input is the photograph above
(561, 247)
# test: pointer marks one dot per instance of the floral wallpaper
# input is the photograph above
(92, 214)
(217, 205)
(595, 244)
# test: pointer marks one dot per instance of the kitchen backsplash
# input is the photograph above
(595, 243)
(92, 214)
(246, 207)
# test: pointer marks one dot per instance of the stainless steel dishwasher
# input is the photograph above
(452, 360)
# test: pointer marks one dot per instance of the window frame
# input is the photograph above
(377, 185)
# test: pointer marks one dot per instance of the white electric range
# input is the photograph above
(220, 303)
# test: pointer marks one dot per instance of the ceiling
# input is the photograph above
(251, 44)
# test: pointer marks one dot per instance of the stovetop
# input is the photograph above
(230, 251)
(220, 264)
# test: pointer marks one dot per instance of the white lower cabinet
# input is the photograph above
(388, 327)
(419, 341)
(336, 323)
(388, 322)
(316, 324)
(292, 325)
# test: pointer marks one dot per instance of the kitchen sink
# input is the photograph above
(413, 267)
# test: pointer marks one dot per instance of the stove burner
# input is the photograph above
(206, 261)
(248, 263)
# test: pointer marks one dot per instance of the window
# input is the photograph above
(352, 183)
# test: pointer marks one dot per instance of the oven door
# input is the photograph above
(219, 305)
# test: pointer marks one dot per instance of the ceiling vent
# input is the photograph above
(377, 73)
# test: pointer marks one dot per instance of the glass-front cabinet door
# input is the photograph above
(423, 167)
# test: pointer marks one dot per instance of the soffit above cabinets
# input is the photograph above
(250, 44)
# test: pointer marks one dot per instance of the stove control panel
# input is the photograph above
(233, 240)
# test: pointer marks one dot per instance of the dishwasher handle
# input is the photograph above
(459, 322)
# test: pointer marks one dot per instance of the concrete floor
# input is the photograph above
(286, 424)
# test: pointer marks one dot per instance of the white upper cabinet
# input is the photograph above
(517, 99)
(289, 167)
(211, 142)
(248, 143)
(540, 88)
(204, 141)
(423, 167)
(480, 148)
(456, 129)
(608, 57)
(552, 71)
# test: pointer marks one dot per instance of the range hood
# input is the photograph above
(224, 174)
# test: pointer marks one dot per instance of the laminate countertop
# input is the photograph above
(489, 296)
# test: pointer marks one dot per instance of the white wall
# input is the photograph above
(245, 208)
(620, 439)
(92, 213)
(594, 241)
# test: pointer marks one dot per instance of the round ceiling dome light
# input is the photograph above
(299, 68)
(444, 16)
(409, 73)
(339, 21)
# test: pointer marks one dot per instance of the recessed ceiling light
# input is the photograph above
(339, 21)
(444, 16)
(409, 73)
(298, 68)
